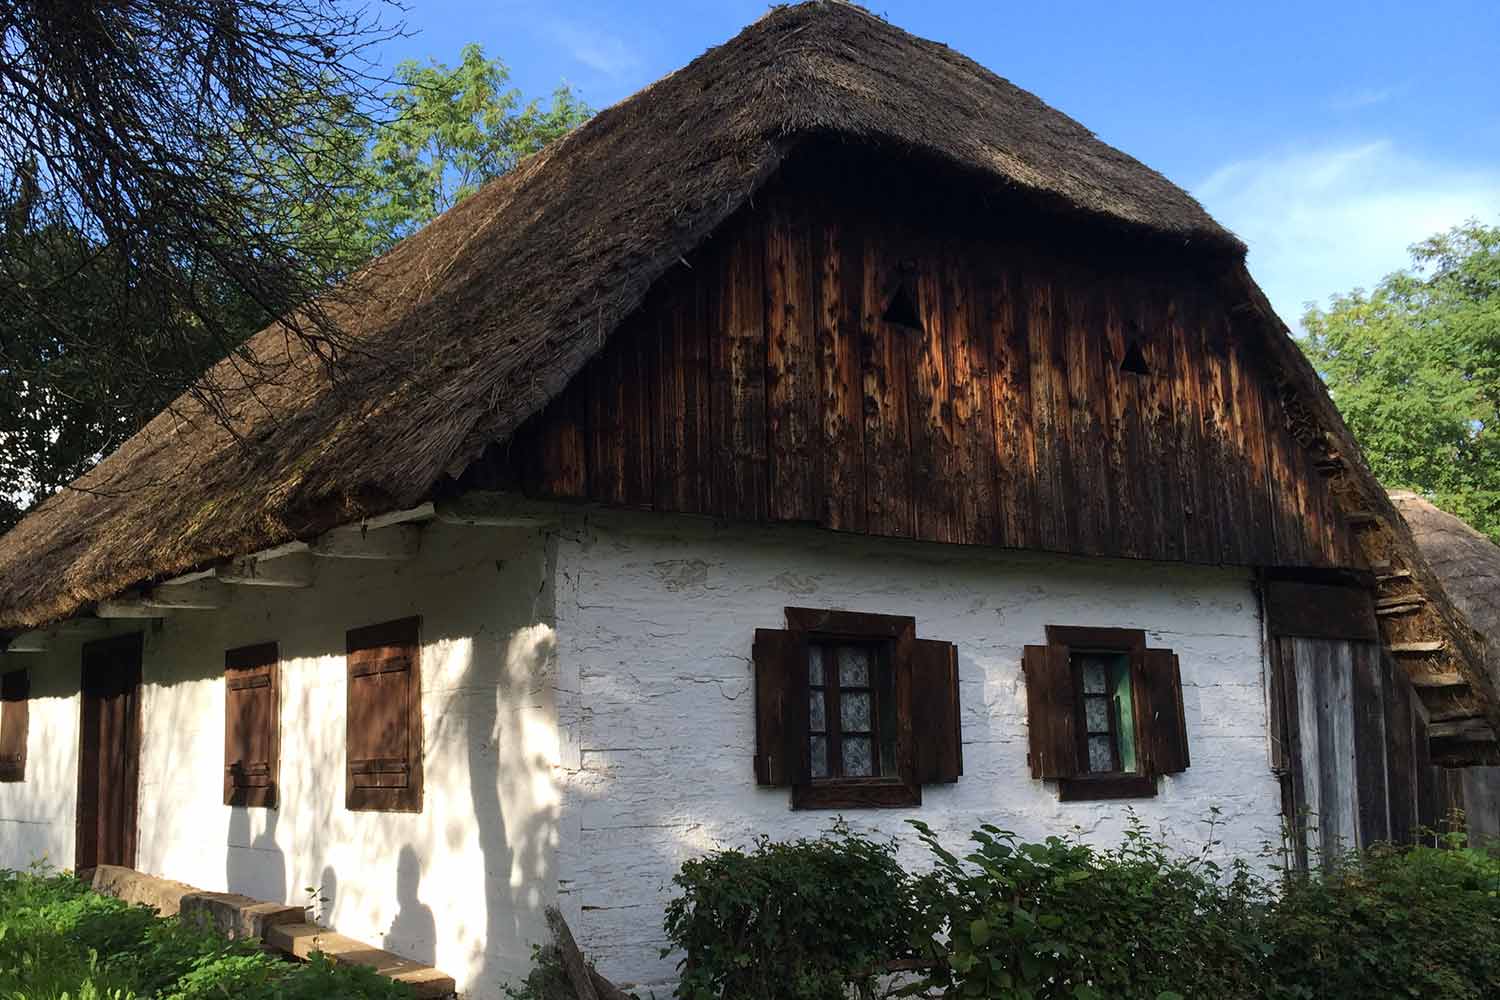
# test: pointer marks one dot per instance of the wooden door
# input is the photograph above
(109, 752)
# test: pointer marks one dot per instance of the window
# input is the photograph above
(853, 710)
(383, 771)
(15, 690)
(252, 726)
(1105, 712)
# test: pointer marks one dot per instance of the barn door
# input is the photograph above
(109, 752)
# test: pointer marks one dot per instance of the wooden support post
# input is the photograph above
(572, 959)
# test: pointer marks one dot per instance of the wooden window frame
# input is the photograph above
(15, 712)
(405, 633)
(1091, 786)
(896, 634)
(252, 660)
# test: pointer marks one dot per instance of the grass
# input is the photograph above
(59, 940)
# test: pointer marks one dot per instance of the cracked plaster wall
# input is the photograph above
(655, 618)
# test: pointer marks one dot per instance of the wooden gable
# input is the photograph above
(1062, 388)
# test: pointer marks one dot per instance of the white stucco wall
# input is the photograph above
(655, 619)
(589, 724)
(462, 884)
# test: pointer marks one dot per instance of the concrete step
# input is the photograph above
(301, 940)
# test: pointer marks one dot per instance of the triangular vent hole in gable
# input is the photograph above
(1135, 360)
(902, 310)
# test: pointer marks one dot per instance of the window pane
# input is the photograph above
(854, 666)
(815, 665)
(857, 759)
(816, 716)
(819, 756)
(1096, 711)
(854, 712)
(1094, 676)
(1124, 707)
(1101, 756)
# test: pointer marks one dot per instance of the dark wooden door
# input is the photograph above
(109, 752)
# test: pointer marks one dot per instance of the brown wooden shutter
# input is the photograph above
(252, 726)
(384, 734)
(781, 753)
(935, 711)
(1051, 715)
(1165, 738)
(15, 690)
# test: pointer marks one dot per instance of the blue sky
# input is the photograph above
(1328, 135)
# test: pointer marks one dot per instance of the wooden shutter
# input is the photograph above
(1051, 712)
(15, 689)
(1165, 739)
(384, 736)
(781, 753)
(935, 711)
(252, 726)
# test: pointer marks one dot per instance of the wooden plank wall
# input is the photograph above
(760, 382)
(1351, 746)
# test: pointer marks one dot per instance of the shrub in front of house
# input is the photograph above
(59, 939)
(1061, 920)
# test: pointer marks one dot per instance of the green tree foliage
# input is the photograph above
(1414, 367)
(367, 185)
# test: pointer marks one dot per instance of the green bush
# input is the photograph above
(805, 920)
(1062, 920)
(61, 941)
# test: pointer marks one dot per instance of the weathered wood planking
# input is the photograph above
(762, 381)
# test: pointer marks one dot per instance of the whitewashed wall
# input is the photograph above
(655, 619)
(586, 764)
(460, 886)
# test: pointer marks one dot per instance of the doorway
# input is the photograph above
(109, 752)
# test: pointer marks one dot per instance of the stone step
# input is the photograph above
(301, 940)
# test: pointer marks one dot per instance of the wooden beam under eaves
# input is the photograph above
(205, 594)
(127, 608)
(292, 570)
(29, 642)
(1475, 728)
(399, 541)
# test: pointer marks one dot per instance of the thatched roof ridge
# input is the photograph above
(471, 325)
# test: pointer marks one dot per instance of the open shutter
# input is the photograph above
(251, 726)
(935, 722)
(15, 690)
(1050, 711)
(384, 735)
(781, 753)
(1165, 737)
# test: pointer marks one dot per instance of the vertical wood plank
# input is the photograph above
(1400, 762)
(934, 459)
(791, 364)
(883, 356)
(739, 373)
(1310, 679)
(841, 389)
(1091, 494)
(1122, 433)
(1374, 822)
(604, 377)
(1339, 792)
(973, 426)
(680, 446)
(1048, 409)
(1158, 472)
(1292, 763)
(1010, 404)
(635, 345)
(1199, 541)
(1220, 474)
(1251, 437)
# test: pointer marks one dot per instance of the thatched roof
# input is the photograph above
(1466, 562)
(474, 323)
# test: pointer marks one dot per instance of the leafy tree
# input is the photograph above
(83, 364)
(1414, 367)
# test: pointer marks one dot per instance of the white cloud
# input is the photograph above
(599, 51)
(1325, 221)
